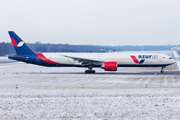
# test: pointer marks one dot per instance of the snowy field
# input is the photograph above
(42, 93)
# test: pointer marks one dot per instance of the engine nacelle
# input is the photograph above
(109, 66)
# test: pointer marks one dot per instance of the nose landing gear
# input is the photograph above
(162, 70)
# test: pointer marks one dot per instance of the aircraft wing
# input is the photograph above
(85, 61)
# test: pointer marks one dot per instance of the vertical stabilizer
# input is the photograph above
(19, 45)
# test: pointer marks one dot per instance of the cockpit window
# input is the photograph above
(170, 58)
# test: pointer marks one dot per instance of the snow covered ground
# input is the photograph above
(40, 93)
(134, 103)
(5, 60)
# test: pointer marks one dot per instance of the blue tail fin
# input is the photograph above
(19, 45)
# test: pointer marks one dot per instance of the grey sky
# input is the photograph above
(97, 22)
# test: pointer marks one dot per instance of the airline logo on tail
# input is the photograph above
(136, 60)
(20, 44)
(15, 43)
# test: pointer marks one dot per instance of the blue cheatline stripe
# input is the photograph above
(142, 65)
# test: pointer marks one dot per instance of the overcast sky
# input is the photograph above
(95, 22)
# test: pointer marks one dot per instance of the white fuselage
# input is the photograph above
(151, 59)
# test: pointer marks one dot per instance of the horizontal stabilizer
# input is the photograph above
(17, 57)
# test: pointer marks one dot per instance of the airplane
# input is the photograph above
(106, 61)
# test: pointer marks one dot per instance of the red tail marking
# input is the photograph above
(134, 59)
(42, 57)
(14, 42)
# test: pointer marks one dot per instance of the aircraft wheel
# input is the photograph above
(162, 71)
(93, 71)
(87, 71)
(90, 71)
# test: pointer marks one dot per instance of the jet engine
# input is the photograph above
(109, 66)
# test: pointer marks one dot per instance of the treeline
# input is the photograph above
(38, 47)
(7, 48)
(144, 48)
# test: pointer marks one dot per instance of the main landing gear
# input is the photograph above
(90, 71)
(162, 70)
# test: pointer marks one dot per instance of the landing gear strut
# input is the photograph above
(162, 70)
(90, 69)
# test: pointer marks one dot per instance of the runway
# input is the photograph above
(38, 77)
(35, 92)
(115, 73)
